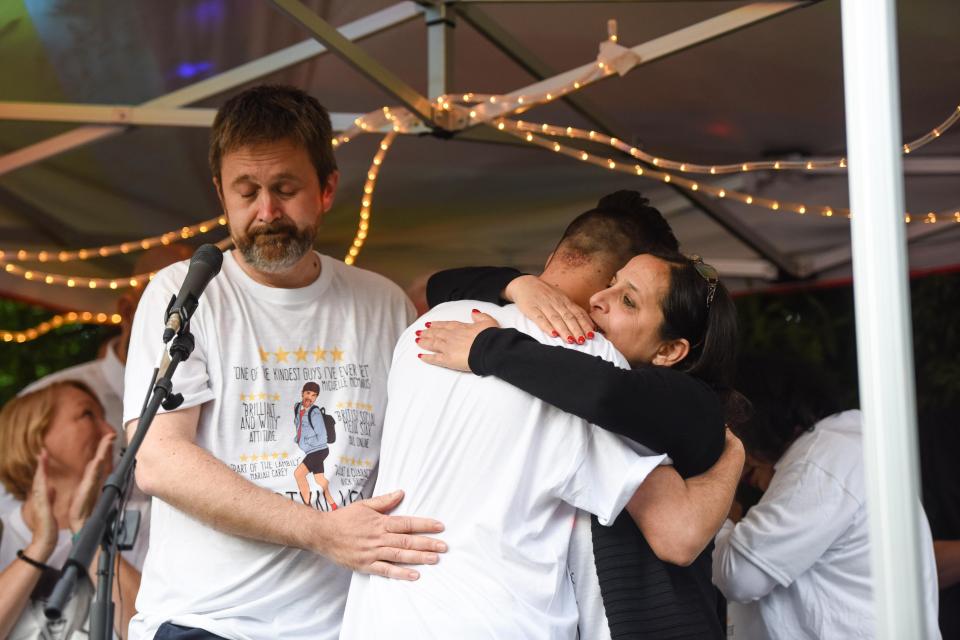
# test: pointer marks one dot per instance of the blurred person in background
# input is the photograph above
(104, 376)
(55, 452)
(801, 555)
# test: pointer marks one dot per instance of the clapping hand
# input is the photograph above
(88, 490)
(38, 509)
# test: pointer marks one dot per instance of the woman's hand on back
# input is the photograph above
(552, 311)
(450, 341)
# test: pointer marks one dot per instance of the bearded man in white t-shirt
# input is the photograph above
(236, 551)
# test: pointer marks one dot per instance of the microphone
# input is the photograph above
(204, 265)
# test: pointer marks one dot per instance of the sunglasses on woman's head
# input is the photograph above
(709, 274)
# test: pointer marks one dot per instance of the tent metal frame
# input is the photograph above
(127, 115)
(440, 17)
(271, 63)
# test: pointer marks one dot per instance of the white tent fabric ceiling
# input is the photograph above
(773, 89)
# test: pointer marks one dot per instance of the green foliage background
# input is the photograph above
(21, 364)
(817, 326)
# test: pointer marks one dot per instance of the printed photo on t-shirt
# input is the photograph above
(299, 454)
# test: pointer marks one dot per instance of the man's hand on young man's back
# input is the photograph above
(361, 537)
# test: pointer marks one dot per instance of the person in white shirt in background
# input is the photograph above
(104, 376)
(800, 557)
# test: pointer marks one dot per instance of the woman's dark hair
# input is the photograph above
(704, 315)
(787, 397)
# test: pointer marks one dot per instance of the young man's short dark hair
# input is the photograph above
(623, 224)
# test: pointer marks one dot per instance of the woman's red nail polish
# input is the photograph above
(581, 340)
(418, 340)
(418, 332)
(427, 325)
(555, 334)
(590, 334)
(570, 339)
(476, 310)
(419, 355)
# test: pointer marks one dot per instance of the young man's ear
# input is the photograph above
(671, 352)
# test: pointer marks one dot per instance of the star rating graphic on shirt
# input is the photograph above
(356, 462)
(354, 405)
(272, 455)
(300, 354)
(262, 397)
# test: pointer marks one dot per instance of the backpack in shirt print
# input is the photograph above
(328, 422)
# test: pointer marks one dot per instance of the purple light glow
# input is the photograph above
(191, 69)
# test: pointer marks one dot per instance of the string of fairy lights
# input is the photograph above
(363, 226)
(720, 169)
(57, 321)
(524, 131)
(473, 109)
(163, 239)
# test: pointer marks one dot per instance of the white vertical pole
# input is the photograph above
(882, 303)
(439, 19)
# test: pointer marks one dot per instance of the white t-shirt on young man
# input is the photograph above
(256, 347)
(802, 554)
(505, 473)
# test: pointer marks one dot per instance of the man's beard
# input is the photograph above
(275, 247)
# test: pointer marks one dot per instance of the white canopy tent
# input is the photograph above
(732, 83)
(717, 82)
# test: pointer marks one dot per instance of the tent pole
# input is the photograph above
(882, 304)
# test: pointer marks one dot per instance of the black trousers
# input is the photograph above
(170, 631)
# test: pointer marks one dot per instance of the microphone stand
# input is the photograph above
(103, 528)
